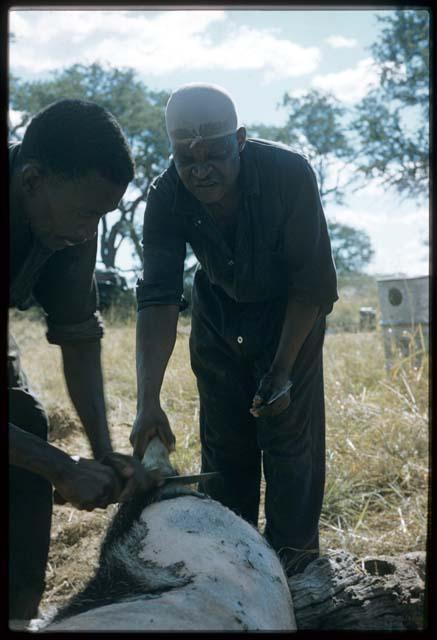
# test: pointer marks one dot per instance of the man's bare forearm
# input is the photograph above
(34, 454)
(86, 484)
(84, 378)
(298, 321)
(155, 340)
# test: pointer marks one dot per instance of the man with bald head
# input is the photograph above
(251, 211)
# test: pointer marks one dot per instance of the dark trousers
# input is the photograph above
(290, 447)
(30, 503)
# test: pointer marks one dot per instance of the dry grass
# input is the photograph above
(377, 449)
(377, 442)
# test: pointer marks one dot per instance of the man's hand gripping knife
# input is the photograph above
(273, 394)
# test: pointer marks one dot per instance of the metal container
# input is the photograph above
(404, 304)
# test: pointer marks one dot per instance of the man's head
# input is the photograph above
(74, 166)
(202, 126)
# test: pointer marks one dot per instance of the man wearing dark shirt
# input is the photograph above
(72, 167)
(266, 280)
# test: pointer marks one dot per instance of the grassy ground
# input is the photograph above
(377, 439)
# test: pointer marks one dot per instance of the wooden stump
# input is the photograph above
(340, 591)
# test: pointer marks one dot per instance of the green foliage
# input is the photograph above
(140, 113)
(403, 53)
(391, 124)
(351, 248)
(392, 120)
(315, 124)
(315, 127)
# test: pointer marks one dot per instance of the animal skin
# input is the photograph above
(177, 561)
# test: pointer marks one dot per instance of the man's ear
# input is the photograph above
(32, 177)
(241, 138)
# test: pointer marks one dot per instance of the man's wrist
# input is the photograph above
(148, 402)
(55, 464)
(101, 448)
(97, 431)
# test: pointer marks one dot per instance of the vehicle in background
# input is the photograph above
(112, 288)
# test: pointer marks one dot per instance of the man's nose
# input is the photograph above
(201, 170)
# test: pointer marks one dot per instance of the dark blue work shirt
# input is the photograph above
(62, 282)
(281, 244)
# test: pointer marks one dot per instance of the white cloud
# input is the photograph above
(349, 85)
(397, 233)
(339, 42)
(15, 117)
(19, 26)
(169, 41)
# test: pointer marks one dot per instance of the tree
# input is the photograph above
(140, 113)
(315, 127)
(392, 120)
(351, 248)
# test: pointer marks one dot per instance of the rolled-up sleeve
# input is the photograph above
(310, 266)
(164, 250)
(91, 329)
(67, 292)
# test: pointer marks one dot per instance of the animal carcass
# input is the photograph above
(180, 561)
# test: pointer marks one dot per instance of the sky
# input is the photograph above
(257, 56)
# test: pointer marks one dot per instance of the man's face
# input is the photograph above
(209, 168)
(67, 211)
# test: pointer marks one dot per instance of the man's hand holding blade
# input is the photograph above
(86, 484)
(272, 396)
(134, 477)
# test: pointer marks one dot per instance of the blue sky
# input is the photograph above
(257, 55)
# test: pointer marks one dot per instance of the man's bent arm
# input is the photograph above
(84, 378)
(34, 454)
(156, 337)
(86, 484)
(299, 319)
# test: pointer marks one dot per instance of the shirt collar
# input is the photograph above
(13, 149)
(248, 171)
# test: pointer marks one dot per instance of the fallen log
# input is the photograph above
(339, 591)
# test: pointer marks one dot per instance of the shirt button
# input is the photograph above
(239, 340)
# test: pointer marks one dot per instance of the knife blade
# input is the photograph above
(280, 393)
(189, 479)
